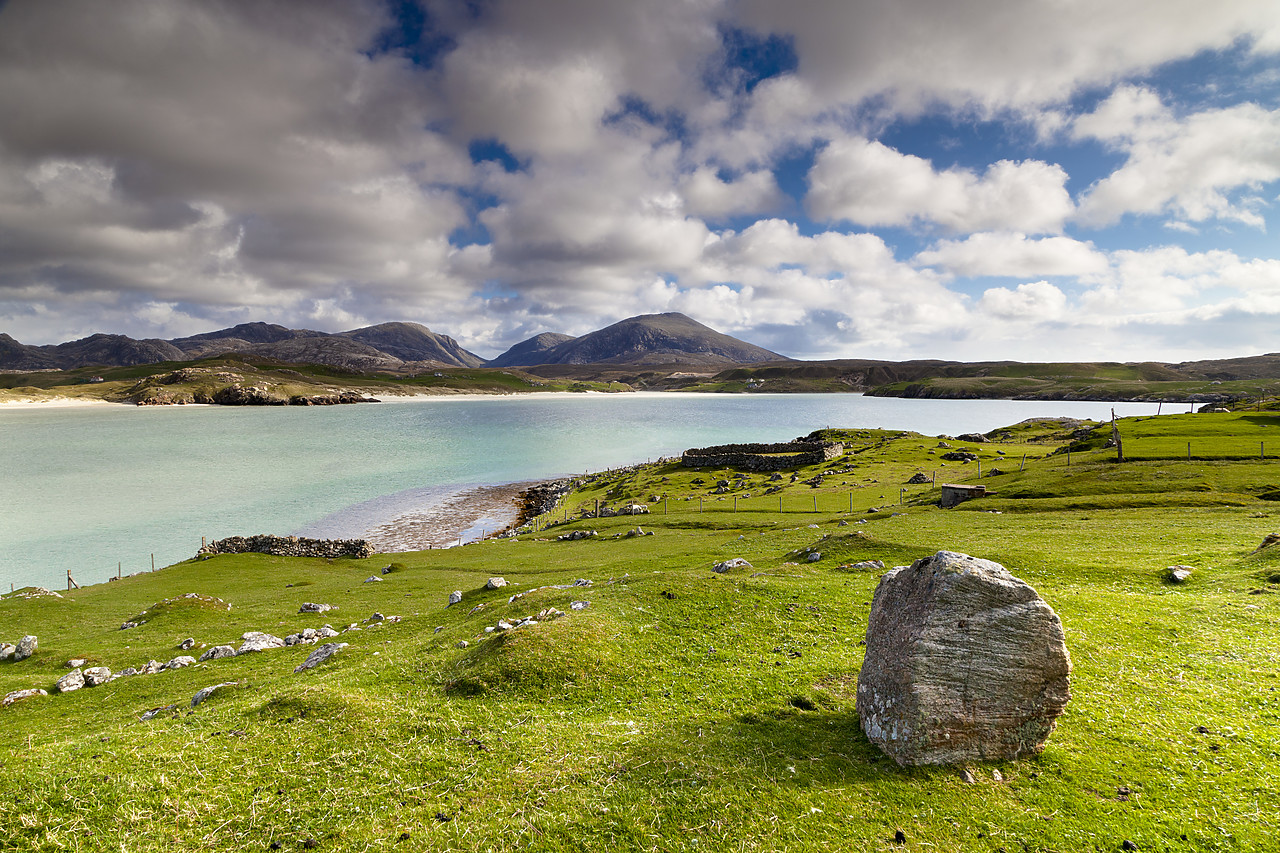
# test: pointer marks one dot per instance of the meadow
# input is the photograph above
(682, 709)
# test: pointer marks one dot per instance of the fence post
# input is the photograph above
(699, 504)
(1262, 449)
(735, 503)
(1024, 462)
(815, 503)
(1188, 451)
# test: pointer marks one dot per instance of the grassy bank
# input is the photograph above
(683, 709)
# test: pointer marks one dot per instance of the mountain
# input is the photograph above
(654, 339)
(531, 351)
(388, 346)
(414, 342)
(112, 350)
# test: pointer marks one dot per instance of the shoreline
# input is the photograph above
(471, 514)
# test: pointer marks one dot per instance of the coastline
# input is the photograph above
(469, 515)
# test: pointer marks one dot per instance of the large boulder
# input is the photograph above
(257, 641)
(27, 647)
(964, 662)
(73, 680)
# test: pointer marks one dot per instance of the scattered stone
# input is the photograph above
(155, 712)
(151, 667)
(634, 509)
(312, 607)
(732, 563)
(73, 680)
(960, 456)
(868, 564)
(575, 535)
(325, 632)
(964, 662)
(27, 647)
(319, 656)
(1178, 574)
(188, 643)
(1128, 845)
(496, 583)
(256, 641)
(218, 652)
(74, 663)
(918, 479)
(95, 676)
(386, 570)
(1269, 540)
(997, 776)
(179, 662)
(373, 579)
(376, 617)
(206, 692)
(813, 557)
(454, 597)
(967, 776)
(547, 614)
(127, 625)
(7, 650)
(461, 644)
(19, 695)
(579, 605)
(128, 671)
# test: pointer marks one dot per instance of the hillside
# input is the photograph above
(654, 339)
(531, 351)
(674, 704)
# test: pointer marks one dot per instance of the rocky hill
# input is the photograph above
(531, 351)
(647, 339)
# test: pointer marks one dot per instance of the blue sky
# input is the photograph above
(967, 179)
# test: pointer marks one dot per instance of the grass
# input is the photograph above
(683, 709)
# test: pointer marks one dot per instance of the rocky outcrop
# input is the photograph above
(19, 695)
(319, 656)
(763, 457)
(289, 546)
(964, 662)
(26, 647)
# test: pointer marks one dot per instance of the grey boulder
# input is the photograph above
(7, 650)
(19, 695)
(206, 692)
(97, 675)
(964, 662)
(218, 652)
(27, 647)
(73, 680)
(319, 656)
(257, 641)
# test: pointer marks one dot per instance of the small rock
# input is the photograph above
(868, 564)
(495, 583)
(155, 712)
(1178, 574)
(899, 837)
(734, 563)
(1128, 845)
(206, 692)
(73, 680)
(218, 652)
(319, 656)
(386, 570)
(326, 631)
(95, 676)
(27, 647)
(180, 661)
(373, 579)
(127, 625)
(7, 650)
(438, 629)
(579, 605)
(997, 776)
(126, 672)
(461, 644)
(503, 625)
(188, 643)
(967, 776)
(151, 667)
(313, 607)
(19, 695)
(813, 557)
(74, 663)
(455, 597)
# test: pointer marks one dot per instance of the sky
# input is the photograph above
(1037, 180)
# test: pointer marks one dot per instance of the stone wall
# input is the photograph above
(289, 546)
(763, 457)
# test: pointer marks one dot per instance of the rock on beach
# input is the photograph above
(964, 662)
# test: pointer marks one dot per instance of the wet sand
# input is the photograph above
(457, 518)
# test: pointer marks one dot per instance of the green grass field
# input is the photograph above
(683, 709)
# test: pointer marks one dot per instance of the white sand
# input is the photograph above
(54, 402)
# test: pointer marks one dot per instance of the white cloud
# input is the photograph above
(1013, 255)
(868, 183)
(1187, 167)
(706, 195)
(1036, 301)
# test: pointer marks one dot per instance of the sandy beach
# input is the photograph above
(53, 402)
(466, 516)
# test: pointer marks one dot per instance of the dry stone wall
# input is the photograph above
(289, 546)
(763, 457)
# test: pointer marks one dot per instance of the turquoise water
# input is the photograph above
(85, 489)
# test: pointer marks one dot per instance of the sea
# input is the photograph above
(95, 491)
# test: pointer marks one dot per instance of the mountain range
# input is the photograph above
(647, 339)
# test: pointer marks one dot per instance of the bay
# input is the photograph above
(96, 489)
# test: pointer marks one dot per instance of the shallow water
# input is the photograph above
(88, 489)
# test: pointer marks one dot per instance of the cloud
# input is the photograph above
(1035, 301)
(868, 183)
(1190, 168)
(707, 195)
(1013, 255)
(997, 54)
